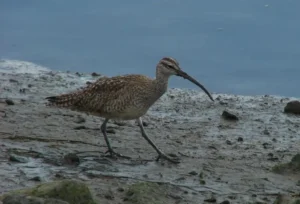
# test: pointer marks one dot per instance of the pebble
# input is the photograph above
(211, 200)
(229, 116)
(81, 127)
(120, 189)
(36, 178)
(79, 119)
(13, 81)
(71, 159)
(240, 139)
(193, 173)
(266, 145)
(109, 195)
(16, 158)
(266, 132)
(9, 102)
(94, 74)
(228, 142)
(110, 130)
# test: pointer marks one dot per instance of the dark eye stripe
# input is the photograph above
(167, 65)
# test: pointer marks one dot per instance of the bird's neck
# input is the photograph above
(161, 83)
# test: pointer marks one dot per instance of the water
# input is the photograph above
(234, 46)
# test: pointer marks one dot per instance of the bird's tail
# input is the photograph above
(64, 100)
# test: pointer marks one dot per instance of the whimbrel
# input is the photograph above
(126, 97)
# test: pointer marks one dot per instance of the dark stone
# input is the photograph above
(94, 74)
(266, 145)
(78, 74)
(228, 142)
(16, 158)
(109, 195)
(79, 119)
(229, 116)
(120, 189)
(273, 159)
(266, 132)
(211, 200)
(110, 130)
(13, 81)
(71, 159)
(225, 202)
(193, 173)
(223, 103)
(240, 139)
(9, 102)
(292, 107)
(81, 127)
(36, 178)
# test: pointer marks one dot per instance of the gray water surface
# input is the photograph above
(233, 46)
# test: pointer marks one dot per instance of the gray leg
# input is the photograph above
(110, 150)
(160, 153)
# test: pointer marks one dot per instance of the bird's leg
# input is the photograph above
(110, 150)
(160, 153)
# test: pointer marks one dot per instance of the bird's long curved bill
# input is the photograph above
(191, 79)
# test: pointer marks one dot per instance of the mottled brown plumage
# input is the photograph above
(124, 97)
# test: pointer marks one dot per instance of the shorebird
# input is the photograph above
(126, 97)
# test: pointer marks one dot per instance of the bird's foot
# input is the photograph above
(112, 153)
(164, 156)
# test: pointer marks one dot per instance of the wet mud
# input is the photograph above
(222, 159)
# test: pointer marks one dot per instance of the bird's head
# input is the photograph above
(168, 66)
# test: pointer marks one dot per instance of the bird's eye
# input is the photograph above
(170, 66)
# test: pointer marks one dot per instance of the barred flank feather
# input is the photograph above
(65, 100)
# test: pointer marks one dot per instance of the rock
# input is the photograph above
(292, 166)
(202, 182)
(211, 200)
(146, 193)
(109, 195)
(229, 116)
(110, 130)
(9, 102)
(286, 199)
(70, 191)
(225, 202)
(266, 145)
(23, 199)
(292, 107)
(94, 74)
(266, 132)
(193, 173)
(13, 81)
(79, 119)
(228, 142)
(16, 158)
(81, 127)
(36, 178)
(71, 159)
(120, 189)
(240, 139)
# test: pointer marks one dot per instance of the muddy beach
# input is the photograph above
(224, 159)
